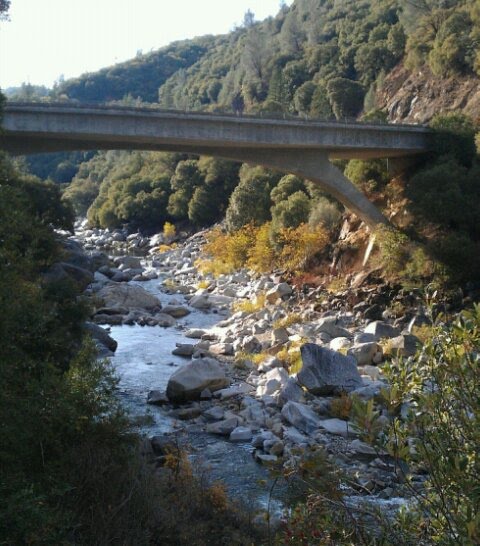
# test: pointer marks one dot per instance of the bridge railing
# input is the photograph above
(261, 116)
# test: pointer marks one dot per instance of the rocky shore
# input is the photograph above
(235, 382)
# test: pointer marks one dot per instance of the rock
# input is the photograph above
(263, 437)
(327, 372)
(338, 427)
(190, 380)
(291, 392)
(165, 321)
(264, 458)
(364, 353)
(200, 302)
(126, 262)
(224, 428)
(340, 343)
(112, 320)
(214, 414)
(404, 345)
(241, 434)
(129, 296)
(280, 335)
(274, 448)
(236, 390)
(301, 417)
(183, 349)
(157, 398)
(100, 334)
(381, 330)
(331, 326)
(221, 349)
(176, 311)
(250, 344)
(194, 333)
(278, 292)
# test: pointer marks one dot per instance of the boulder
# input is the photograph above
(157, 398)
(241, 434)
(301, 417)
(127, 262)
(364, 353)
(327, 372)
(188, 382)
(381, 330)
(224, 428)
(200, 302)
(183, 349)
(291, 392)
(340, 343)
(332, 327)
(338, 427)
(278, 292)
(176, 311)
(164, 320)
(101, 336)
(129, 296)
(404, 345)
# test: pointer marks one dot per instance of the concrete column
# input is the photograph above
(315, 166)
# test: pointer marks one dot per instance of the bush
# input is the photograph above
(371, 175)
(290, 213)
(440, 387)
(325, 213)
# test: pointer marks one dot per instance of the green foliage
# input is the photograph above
(346, 97)
(440, 387)
(290, 213)
(250, 201)
(454, 136)
(325, 213)
(371, 174)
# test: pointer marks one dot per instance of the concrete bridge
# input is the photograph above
(295, 146)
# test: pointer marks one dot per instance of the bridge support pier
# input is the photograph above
(316, 167)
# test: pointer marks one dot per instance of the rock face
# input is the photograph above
(188, 382)
(129, 296)
(327, 372)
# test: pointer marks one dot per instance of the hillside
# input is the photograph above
(372, 59)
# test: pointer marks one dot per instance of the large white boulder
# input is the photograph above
(188, 382)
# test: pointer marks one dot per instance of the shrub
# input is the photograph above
(371, 175)
(299, 245)
(440, 387)
(325, 213)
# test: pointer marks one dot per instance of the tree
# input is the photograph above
(250, 201)
(345, 96)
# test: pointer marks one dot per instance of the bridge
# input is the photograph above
(294, 145)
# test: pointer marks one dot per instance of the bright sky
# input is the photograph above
(47, 38)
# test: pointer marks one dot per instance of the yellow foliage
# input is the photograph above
(227, 252)
(289, 320)
(169, 230)
(251, 306)
(166, 248)
(341, 407)
(291, 356)
(300, 244)
(261, 257)
(251, 246)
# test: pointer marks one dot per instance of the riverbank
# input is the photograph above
(237, 375)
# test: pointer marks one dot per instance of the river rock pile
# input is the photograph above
(235, 382)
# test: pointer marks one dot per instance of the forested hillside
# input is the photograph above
(369, 59)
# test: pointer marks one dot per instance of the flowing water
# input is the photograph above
(144, 361)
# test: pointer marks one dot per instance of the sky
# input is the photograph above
(47, 39)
